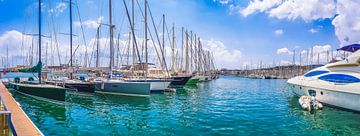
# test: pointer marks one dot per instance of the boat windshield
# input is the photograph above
(315, 73)
(340, 78)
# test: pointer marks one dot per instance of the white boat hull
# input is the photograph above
(159, 86)
(346, 100)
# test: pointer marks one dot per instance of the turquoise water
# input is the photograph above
(226, 106)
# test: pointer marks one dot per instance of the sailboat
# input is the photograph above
(159, 83)
(116, 86)
(73, 84)
(38, 89)
(335, 84)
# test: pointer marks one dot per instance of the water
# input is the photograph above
(226, 106)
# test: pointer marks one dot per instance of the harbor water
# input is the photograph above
(226, 106)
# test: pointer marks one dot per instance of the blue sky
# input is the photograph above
(237, 39)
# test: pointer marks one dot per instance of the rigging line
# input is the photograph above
(82, 31)
(152, 19)
(132, 29)
(152, 39)
(55, 36)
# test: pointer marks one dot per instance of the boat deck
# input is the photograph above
(39, 85)
(22, 124)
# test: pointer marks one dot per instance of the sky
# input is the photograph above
(239, 33)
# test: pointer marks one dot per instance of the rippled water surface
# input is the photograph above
(226, 106)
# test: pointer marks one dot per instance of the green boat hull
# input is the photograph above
(192, 82)
(42, 92)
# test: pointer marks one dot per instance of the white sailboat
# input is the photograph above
(335, 84)
(120, 87)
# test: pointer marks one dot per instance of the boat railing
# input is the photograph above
(6, 126)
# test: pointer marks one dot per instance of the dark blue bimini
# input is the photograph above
(315, 73)
(340, 78)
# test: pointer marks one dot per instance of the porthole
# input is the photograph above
(321, 93)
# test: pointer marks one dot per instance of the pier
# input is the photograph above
(13, 119)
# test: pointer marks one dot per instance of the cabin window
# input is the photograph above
(339, 78)
(315, 73)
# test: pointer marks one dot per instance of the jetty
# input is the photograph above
(13, 120)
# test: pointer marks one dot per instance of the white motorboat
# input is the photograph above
(335, 84)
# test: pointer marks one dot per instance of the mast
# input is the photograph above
(182, 49)
(173, 49)
(163, 37)
(191, 51)
(39, 70)
(117, 51)
(111, 40)
(97, 46)
(187, 53)
(146, 39)
(71, 31)
(133, 26)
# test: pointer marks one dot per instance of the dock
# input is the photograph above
(20, 123)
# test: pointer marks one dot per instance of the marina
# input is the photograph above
(208, 109)
(140, 67)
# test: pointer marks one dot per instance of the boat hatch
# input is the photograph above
(340, 78)
(315, 73)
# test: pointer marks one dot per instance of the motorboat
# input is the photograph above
(335, 84)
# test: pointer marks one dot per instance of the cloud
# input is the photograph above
(312, 30)
(260, 6)
(279, 32)
(347, 22)
(284, 51)
(343, 13)
(307, 10)
(223, 56)
(224, 2)
(93, 24)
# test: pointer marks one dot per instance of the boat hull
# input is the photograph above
(82, 87)
(179, 82)
(192, 82)
(344, 100)
(41, 91)
(124, 88)
(156, 85)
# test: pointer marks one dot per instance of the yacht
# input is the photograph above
(335, 84)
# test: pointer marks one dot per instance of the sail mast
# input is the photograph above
(173, 49)
(97, 46)
(146, 36)
(111, 40)
(39, 70)
(71, 31)
(187, 53)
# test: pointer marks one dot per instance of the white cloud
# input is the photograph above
(90, 23)
(224, 2)
(224, 57)
(312, 30)
(279, 32)
(344, 14)
(284, 51)
(347, 26)
(258, 5)
(307, 10)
